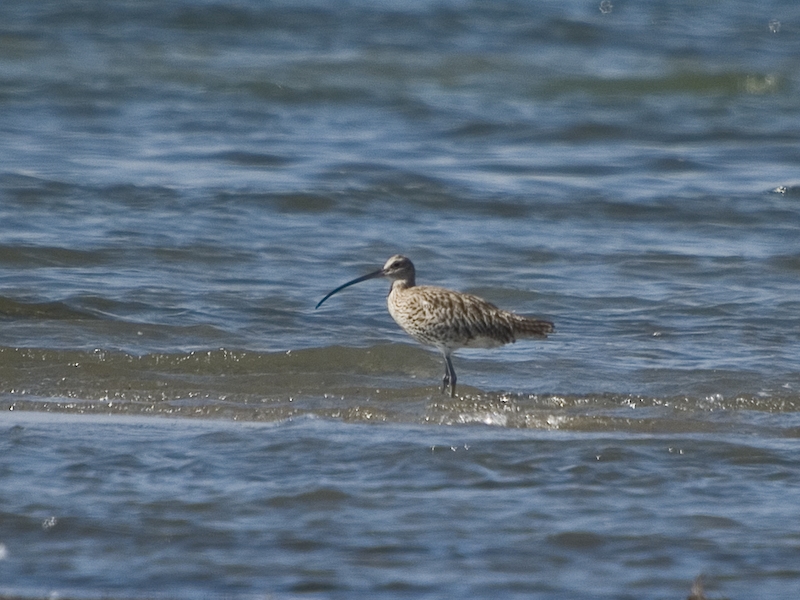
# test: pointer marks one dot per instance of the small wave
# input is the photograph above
(40, 310)
(358, 385)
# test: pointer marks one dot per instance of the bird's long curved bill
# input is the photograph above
(378, 273)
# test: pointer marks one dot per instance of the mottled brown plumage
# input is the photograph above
(446, 319)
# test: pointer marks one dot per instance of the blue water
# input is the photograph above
(315, 508)
(182, 181)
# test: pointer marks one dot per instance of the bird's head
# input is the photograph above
(397, 268)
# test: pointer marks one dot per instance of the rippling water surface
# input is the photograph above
(182, 181)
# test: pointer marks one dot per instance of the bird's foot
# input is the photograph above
(447, 383)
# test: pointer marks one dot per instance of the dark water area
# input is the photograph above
(182, 181)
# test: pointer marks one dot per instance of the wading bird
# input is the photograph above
(446, 319)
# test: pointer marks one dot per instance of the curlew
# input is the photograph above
(446, 319)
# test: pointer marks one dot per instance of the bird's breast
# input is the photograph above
(447, 319)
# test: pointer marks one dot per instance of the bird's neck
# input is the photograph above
(400, 285)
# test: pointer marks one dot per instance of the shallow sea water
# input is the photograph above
(182, 181)
(314, 507)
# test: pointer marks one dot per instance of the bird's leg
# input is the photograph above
(449, 379)
(446, 378)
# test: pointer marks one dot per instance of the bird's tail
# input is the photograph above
(527, 327)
